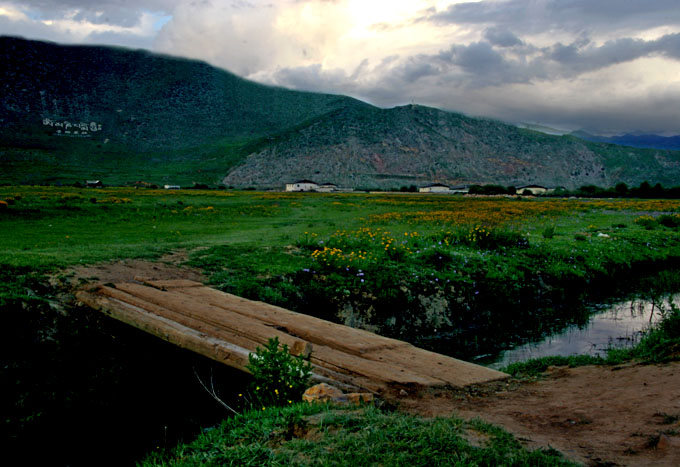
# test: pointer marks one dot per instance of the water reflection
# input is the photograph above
(620, 325)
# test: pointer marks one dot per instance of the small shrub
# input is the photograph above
(278, 377)
(309, 242)
(490, 239)
(671, 221)
(660, 344)
(648, 222)
(549, 232)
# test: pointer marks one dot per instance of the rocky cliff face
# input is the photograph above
(370, 147)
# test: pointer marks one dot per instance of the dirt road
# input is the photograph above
(625, 415)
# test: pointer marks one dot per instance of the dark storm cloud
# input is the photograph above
(415, 69)
(481, 78)
(476, 58)
(580, 56)
(480, 64)
(518, 12)
(531, 16)
(502, 37)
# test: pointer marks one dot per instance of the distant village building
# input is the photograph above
(327, 187)
(171, 187)
(302, 185)
(459, 190)
(560, 190)
(435, 188)
(94, 183)
(531, 189)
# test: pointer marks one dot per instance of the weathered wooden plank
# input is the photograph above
(186, 306)
(183, 319)
(256, 330)
(454, 372)
(202, 343)
(169, 284)
(214, 323)
(169, 330)
(310, 328)
(358, 342)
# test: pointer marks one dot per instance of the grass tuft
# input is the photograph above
(305, 434)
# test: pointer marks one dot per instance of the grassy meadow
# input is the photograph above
(458, 274)
(461, 275)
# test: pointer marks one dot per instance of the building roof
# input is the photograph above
(304, 181)
(436, 185)
(328, 184)
(532, 186)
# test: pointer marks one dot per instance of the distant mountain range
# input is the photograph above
(634, 140)
(74, 112)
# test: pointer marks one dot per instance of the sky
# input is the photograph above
(607, 66)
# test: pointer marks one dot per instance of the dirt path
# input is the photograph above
(625, 415)
(167, 267)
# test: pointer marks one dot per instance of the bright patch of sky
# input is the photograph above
(605, 65)
(160, 20)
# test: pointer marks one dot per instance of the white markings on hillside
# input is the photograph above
(73, 129)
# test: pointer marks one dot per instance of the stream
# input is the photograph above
(613, 326)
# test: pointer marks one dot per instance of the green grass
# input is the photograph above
(478, 271)
(305, 434)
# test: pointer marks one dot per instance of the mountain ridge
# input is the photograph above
(432, 145)
(634, 140)
(134, 115)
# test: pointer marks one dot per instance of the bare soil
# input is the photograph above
(625, 415)
(167, 267)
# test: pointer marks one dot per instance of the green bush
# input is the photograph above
(278, 377)
(490, 239)
(671, 221)
(648, 222)
(549, 232)
(660, 344)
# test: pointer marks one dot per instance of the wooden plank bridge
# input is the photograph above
(228, 328)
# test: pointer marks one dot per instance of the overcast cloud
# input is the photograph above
(609, 66)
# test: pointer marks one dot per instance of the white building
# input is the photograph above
(435, 188)
(459, 190)
(327, 187)
(171, 187)
(302, 185)
(533, 189)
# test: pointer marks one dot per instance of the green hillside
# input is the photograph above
(160, 116)
(71, 113)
